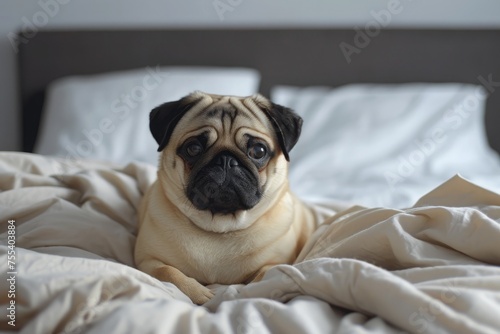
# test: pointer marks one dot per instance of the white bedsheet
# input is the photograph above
(433, 268)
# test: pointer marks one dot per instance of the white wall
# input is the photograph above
(183, 13)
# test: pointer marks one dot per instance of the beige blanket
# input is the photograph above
(432, 268)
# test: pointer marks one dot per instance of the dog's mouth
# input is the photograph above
(224, 186)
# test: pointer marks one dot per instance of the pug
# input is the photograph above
(221, 210)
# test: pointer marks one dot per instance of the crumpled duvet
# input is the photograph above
(431, 268)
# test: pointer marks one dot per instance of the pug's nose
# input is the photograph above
(226, 160)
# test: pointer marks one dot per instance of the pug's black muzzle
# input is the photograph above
(224, 185)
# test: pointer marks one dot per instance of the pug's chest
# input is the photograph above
(226, 262)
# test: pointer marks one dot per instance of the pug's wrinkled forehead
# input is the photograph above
(229, 111)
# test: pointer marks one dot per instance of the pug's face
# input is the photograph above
(224, 158)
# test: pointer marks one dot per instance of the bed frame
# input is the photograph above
(283, 56)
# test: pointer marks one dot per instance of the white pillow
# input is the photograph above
(387, 145)
(106, 116)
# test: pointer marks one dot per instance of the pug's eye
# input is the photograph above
(257, 151)
(194, 149)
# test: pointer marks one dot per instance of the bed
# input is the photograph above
(399, 148)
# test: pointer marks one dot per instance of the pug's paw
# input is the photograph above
(198, 293)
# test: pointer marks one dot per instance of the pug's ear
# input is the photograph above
(164, 118)
(287, 125)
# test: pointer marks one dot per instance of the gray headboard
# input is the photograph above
(283, 56)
